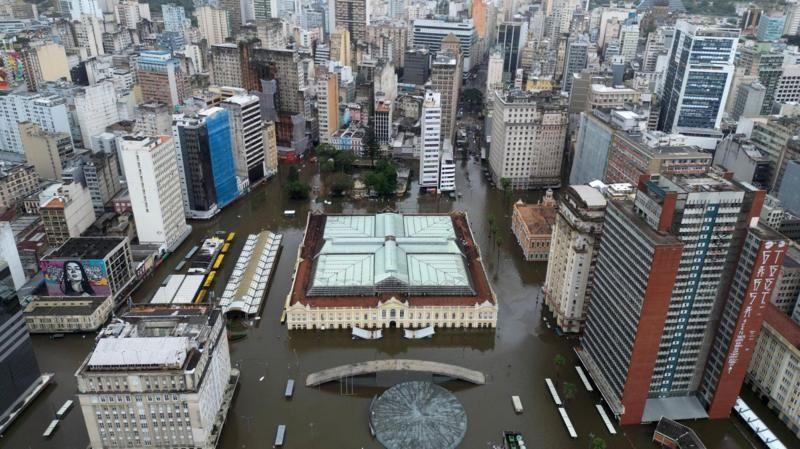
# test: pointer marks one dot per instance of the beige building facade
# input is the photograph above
(46, 151)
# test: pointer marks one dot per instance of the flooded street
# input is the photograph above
(516, 357)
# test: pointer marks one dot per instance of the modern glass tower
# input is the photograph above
(698, 78)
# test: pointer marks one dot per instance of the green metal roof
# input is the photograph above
(364, 252)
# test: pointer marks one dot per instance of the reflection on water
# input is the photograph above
(515, 358)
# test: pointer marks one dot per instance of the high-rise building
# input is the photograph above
(227, 65)
(341, 50)
(632, 155)
(174, 17)
(101, 172)
(95, 109)
(67, 214)
(46, 151)
(213, 24)
(511, 37)
(353, 15)
(573, 253)
(203, 140)
(417, 67)
(529, 130)
(17, 181)
(648, 327)
(20, 376)
(576, 59)
(161, 78)
(248, 137)
(265, 9)
(48, 111)
(430, 140)
(629, 40)
(748, 296)
(173, 363)
(749, 100)
(234, 9)
(770, 26)
(44, 62)
(699, 75)
(787, 89)
(74, 9)
(327, 103)
(446, 79)
(150, 165)
(430, 33)
(494, 74)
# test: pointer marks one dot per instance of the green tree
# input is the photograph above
(473, 99)
(505, 184)
(598, 443)
(297, 190)
(383, 179)
(343, 160)
(559, 361)
(325, 150)
(340, 184)
(569, 390)
(294, 174)
(498, 241)
(371, 146)
(491, 220)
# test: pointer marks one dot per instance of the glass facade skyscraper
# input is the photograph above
(698, 78)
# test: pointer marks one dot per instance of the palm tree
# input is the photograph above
(569, 390)
(559, 361)
(598, 443)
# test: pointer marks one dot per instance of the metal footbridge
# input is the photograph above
(376, 366)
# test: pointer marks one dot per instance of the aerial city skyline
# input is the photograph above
(499, 223)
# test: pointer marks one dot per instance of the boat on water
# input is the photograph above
(513, 440)
(517, 404)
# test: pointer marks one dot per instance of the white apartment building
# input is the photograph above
(158, 377)
(788, 89)
(95, 109)
(213, 24)
(430, 142)
(529, 130)
(573, 251)
(447, 168)
(50, 112)
(247, 136)
(629, 41)
(494, 75)
(150, 165)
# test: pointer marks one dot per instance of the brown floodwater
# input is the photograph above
(516, 357)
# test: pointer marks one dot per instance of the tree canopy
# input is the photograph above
(383, 179)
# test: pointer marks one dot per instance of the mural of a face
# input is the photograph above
(73, 272)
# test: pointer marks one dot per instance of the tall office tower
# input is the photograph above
(658, 43)
(576, 59)
(479, 17)
(174, 17)
(699, 75)
(213, 24)
(95, 109)
(43, 62)
(573, 254)
(382, 119)
(767, 65)
(46, 151)
(446, 79)
(770, 26)
(511, 37)
(709, 216)
(234, 9)
(74, 9)
(341, 48)
(417, 67)
(629, 39)
(227, 65)
(20, 377)
(494, 74)
(101, 171)
(161, 78)
(529, 130)
(203, 141)
(430, 33)
(772, 138)
(621, 357)
(265, 9)
(88, 31)
(130, 12)
(753, 283)
(172, 365)
(248, 137)
(353, 15)
(391, 38)
(48, 111)
(430, 141)
(285, 68)
(327, 103)
(150, 165)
